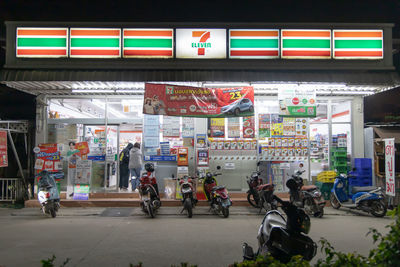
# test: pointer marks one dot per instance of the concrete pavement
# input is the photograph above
(119, 236)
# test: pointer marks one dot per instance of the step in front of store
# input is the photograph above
(132, 200)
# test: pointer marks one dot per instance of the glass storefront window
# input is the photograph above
(339, 131)
(322, 112)
(341, 111)
(319, 148)
(76, 108)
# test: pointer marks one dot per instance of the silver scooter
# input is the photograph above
(283, 238)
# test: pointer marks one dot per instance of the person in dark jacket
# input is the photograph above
(124, 167)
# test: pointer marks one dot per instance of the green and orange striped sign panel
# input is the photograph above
(148, 43)
(95, 43)
(307, 44)
(42, 42)
(253, 44)
(357, 44)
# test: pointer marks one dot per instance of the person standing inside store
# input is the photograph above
(135, 165)
(124, 167)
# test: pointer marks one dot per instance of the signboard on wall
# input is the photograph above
(357, 44)
(390, 167)
(200, 43)
(42, 42)
(148, 43)
(174, 100)
(253, 44)
(297, 102)
(3, 149)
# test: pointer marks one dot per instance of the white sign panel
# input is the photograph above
(200, 43)
(389, 167)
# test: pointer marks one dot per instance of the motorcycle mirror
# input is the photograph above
(218, 167)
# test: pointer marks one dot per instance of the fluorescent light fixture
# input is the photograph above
(272, 85)
(93, 91)
(130, 91)
(223, 84)
(345, 92)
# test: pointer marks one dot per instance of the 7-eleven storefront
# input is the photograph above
(89, 79)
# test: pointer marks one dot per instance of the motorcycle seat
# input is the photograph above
(308, 187)
(264, 187)
(357, 189)
(218, 187)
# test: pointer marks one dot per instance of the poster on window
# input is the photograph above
(233, 127)
(297, 102)
(174, 100)
(264, 125)
(171, 126)
(83, 172)
(83, 148)
(276, 125)
(3, 149)
(301, 127)
(47, 157)
(248, 127)
(188, 127)
(289, 126)
(390, 167)
(217, 127)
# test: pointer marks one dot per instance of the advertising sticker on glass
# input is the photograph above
(264, 125)
(297, 102)
(217, 127)
(187, 101)
(248, 127)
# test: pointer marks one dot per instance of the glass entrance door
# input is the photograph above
(103, 145)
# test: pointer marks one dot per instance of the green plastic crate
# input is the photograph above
(325, 189)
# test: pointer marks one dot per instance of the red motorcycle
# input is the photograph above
(216, 195)
(260, 195)
(148, 190)
(188, 190)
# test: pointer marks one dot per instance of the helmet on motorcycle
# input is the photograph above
(291, 184)
(149, 167)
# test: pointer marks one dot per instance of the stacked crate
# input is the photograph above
(339, 159)
(362, 175)
(324, 182)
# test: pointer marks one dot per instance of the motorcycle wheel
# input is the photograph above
(252, 201)
(150, 210)
(334, 201)
(319, 214)
(225, 212)
(188, 206)
(53, 212)
(378, 209)
(308, 205)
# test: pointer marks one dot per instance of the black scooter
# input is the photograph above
(283, 238)
(308, 197)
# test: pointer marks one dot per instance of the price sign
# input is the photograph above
(389, 167)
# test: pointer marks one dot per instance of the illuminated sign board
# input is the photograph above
(253, 44)
(95, 43)
(306, 44)
(200, 43)
(357, 44)
(148, 43)
(42, 42)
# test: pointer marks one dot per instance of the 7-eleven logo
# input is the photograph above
(202, 44)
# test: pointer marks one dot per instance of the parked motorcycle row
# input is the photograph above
(286, 237)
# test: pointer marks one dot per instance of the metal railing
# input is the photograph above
(11, 189)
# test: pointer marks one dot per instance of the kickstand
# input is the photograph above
(182, 210)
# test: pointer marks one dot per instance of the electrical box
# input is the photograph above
(183, 156)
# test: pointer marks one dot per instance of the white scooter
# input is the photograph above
(48, 195)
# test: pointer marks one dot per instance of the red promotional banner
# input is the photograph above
(248, 127)
(48, 158)
(83, 148)
(174, 100)
(3, 149)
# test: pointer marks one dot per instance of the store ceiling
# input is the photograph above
(68, 88)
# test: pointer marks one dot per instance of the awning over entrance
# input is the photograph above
(62, 82)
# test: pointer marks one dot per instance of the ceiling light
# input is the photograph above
(93, 91)
(225, 84)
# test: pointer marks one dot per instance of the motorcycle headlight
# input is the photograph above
(317, 194)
